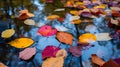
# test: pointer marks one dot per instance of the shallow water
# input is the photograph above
(9, 10)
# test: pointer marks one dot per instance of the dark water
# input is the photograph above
(9, 10)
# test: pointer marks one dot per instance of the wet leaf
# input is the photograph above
(52, 17)
(2, 65)
(53, 62)
(27, 53)
(29, 22)
(47, 31)
(76, 21)
(95, 59)
(24, 14)
(103, 37)
(75, 50)
(7, 33)
(21, 42)
(65, 37)
(87, 38)
(49, 51)
(61, 53)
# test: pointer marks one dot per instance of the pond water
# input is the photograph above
(9, 11)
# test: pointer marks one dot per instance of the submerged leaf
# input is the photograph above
(21, 42)
(49, 51)
(7, 33)
(53, 62)
(27, 53)
(65, 37)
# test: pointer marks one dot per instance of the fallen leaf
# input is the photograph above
(52, 17)
(75, 50)
(21, 42)
(65, 37)
(47, 30)
(49, 51)
(95, 59)
(103, 37)
(27, 53)
(87, 38)
(2, 65)
(53, 62)
(29, 22)
(61, 53)
(7, 33)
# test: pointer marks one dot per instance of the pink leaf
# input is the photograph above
(49, 51)
(75, 50)
(47, 31)
(27, 53)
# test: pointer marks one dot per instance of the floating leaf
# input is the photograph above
(27, 53)
(24, 14)
(116, 22)
(53, 62)
(75, 50)
(87, 38)
(74, 12)
(2, 65)
(47, 31)
(74, 18)
(21, 42)
(52, 17)
(7, 33)
(60, 9)
(49, 51)
(29, 22)
(95, 59)
(61, 28)
(76, 21)
(65, 37)
(103, 37)
(61, 53)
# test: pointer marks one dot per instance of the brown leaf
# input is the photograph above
(64, 37)
(97, 60)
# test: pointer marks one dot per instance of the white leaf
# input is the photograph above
(60, 9)
(29, 22)
(103, 37)
(74, 18)
(40, 24)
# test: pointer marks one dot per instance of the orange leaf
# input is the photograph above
(53, 62)
(65, 37)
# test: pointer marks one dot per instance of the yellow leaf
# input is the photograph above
(76, 21)
(87, 38)
(53, 62)
(21, 42)
(74, 12)
(7, 33)
(52, 17)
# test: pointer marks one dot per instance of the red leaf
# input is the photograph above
(49, 51)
